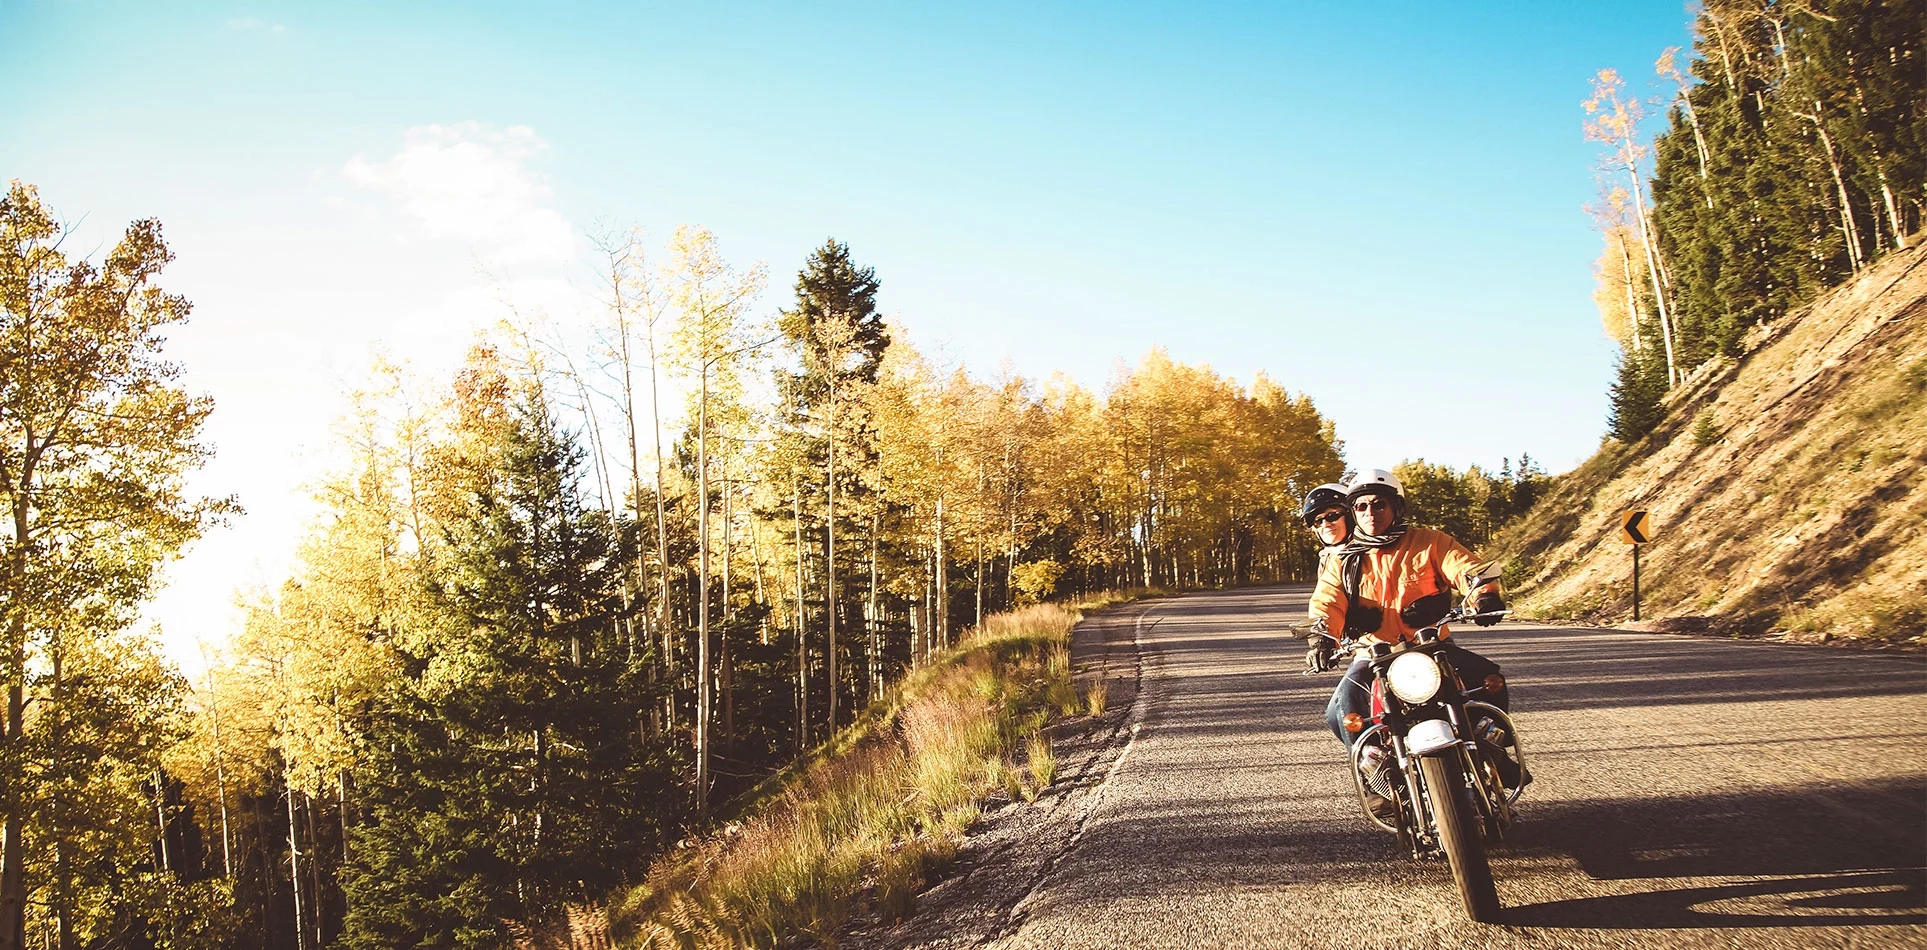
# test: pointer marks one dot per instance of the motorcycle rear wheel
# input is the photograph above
(1458, 825)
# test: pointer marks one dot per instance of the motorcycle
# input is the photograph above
(1449, 763)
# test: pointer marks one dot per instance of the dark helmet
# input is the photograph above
(1318, 499)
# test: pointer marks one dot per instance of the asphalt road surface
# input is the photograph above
(1689, 793)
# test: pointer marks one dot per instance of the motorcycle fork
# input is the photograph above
(1468, 756)
(1422, 835)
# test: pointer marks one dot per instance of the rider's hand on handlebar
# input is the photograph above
(1488, 605)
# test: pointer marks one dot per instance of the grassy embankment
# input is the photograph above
(1788, 486)
(883, 806)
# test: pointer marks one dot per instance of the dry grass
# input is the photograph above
(883, 808)
(1789, 487)
(1097, 696)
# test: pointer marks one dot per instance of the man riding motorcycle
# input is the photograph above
(1389, 580)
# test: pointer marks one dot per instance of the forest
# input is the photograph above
(562, 607)
(529, 643)
(1794, 152)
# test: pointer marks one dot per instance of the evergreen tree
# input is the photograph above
(509, 771)
(1637, 391)
(839, 340)
(831, 287)
(1793, 158)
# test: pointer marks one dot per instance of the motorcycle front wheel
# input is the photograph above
(1458, 825)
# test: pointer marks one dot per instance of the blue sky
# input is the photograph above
(1378, 205)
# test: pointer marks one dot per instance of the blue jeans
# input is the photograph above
(1353, 695)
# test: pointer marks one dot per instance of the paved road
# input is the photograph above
(1690, 793)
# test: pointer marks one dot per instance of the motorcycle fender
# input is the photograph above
(1429, 737)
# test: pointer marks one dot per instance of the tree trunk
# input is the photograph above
(722, 636)
(341, 806)
(943, 582)
(1848, 228)
(220, 782)
(63, 870)
(756, 555)
(829, 562)
(870, 615)
(662, 547)
(1632, 298)
(1893, 210)
(13, 890)
(316, 913)
(1659, 293)
(702, 597)
(979, 626)
(294, 866)
(802, 655)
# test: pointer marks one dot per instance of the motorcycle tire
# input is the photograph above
(1458, 824)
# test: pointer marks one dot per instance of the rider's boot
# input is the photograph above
(1495, 740)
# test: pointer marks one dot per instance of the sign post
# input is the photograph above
(1637, 528)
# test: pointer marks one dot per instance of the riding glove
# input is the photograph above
(1488, 604)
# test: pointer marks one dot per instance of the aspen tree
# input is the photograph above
(96, 437)
(1615, 122)
(1668, 68)
(714, 300)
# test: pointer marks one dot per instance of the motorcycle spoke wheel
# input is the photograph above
(1458, 826)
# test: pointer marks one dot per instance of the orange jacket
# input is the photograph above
(1423, 562)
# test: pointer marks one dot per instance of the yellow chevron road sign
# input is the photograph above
(1637, 527)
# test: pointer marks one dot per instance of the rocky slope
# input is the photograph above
(1784, 486)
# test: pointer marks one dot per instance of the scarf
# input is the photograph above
(1360, 542)
(1358, 618)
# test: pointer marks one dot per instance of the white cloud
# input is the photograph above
(470, 182)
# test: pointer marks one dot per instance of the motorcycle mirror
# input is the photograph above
(1482, 575)
(1307, 631)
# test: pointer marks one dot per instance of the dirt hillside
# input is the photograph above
(1785, 487)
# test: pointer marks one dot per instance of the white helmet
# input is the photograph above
(1374, 481)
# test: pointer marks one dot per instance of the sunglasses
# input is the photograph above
(1372, 504)
(1328, 517)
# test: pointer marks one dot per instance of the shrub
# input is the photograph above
(1706, 430)
(1035, 580)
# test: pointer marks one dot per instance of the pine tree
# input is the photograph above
(1637, 391)
(509, 771)
(839, 340)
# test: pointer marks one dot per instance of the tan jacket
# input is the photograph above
(1423, 562)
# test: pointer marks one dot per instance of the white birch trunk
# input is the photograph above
(702, 596)
(1659, 292)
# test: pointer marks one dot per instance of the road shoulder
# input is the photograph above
(1016, 844)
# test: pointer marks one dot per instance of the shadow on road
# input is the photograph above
(1840, 855)
(1564, 668)
(1734, 842)
(1883, 897)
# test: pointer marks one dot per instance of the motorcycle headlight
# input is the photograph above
(1414, 677)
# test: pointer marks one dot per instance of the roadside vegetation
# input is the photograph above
(1787, 488)
(1759, 272)
(869, 819)
(623, 566)
(557, 607)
